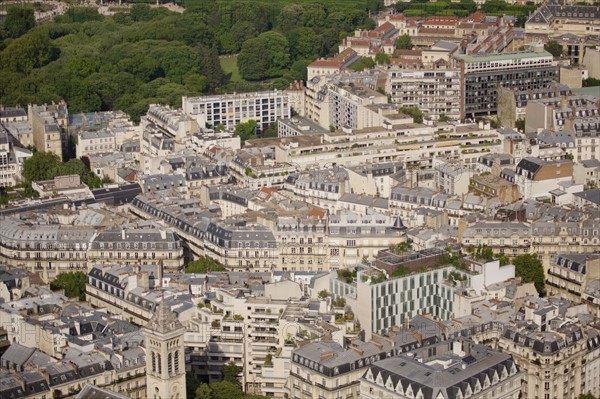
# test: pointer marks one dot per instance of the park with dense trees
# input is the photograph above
(150, 55)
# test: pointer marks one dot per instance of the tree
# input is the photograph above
(195, 83)
(529, 267)
(591, 82)
(191, 385)
(246, 131)
(363, 63)
(18, 20)
(270, 132)
(73, 283)
(298, 71)
(204, 265)
(280, 83)
(375, 5)
(404, 42)
(323, 294)
(554, 48)
(520, 124)
(504, 260)
(211, 67)
(242, 31)
(29, 51)
(586, 396)
(401, 247)
(231, 371)
(227, 390)
(339, 302)
(484, 253)
(400, 271)
(203, 392)
(382, 58)
(304, 43)
(41, 166)
(415, 113)
(266, 56)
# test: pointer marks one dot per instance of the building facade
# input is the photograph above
(481, 75)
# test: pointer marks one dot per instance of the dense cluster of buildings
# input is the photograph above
(374, 248)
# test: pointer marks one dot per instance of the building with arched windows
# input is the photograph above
(165, 359)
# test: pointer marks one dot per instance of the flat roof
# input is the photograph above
(503, 56)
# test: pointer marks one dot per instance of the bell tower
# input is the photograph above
(165, 359)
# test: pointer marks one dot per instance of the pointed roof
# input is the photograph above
(164, 320)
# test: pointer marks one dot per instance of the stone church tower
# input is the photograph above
(165, 358)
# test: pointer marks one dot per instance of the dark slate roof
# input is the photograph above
(92, 392)
(590, 195)
(530, 164)
(12, 113)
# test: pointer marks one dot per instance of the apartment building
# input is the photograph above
(329, 370)
(542, 237)
(12, 114)
(375, 179)
(7, 168)
(302, 243)
(22, 132)
(51, 249)
(550, 350)
(348, 106)
(592, 297)
(164, 131)
(47, 249)
(49, 125)
(557, 109)
(95, 142)
(133, 293)
(256, 332)
(512, 103)
(402, 142)
(436, 92)
(382, 299)
(334, 65)
(536, 177)
(587, 199)
(229, 110)
(587, 172)
(352, 237)
(37, 322)
(369, 43)
(346, 101)
(11, 159)
(586, 133)
(298, 126)
(570, 274)
(495, 187)
(481, 75)
(138, 245)
(445, 370)
(560, 17)
(451, 176)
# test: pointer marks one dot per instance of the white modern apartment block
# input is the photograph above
(381, 305)
(229, 110)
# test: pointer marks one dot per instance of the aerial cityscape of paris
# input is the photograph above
(299, 199)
